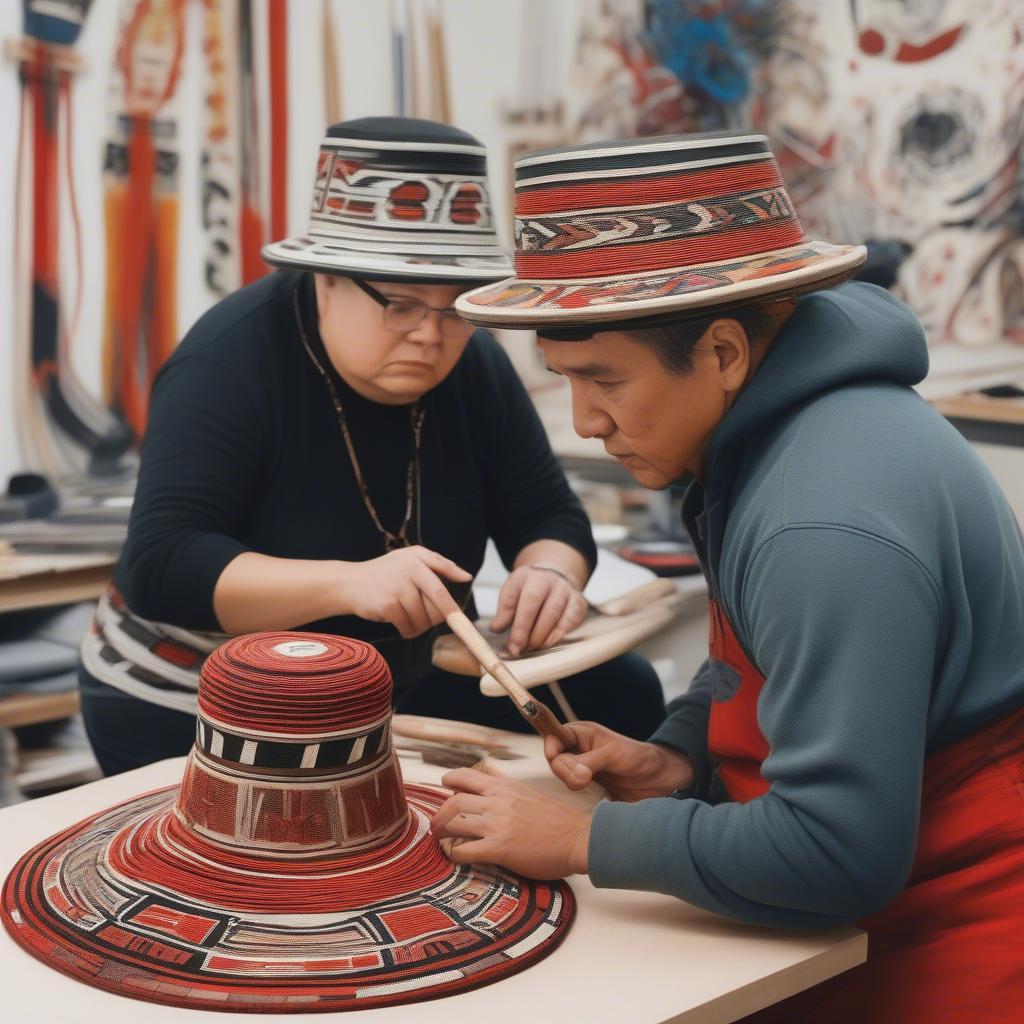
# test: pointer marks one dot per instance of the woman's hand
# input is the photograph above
(401, 587)
(501, 821)
(628, 769)
(541, 606)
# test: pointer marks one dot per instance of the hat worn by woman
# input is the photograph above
(642, 231)
(291, 871)
(398, 198)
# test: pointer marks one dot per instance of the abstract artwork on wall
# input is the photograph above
(896, 124)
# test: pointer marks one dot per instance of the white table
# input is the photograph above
(629, 957)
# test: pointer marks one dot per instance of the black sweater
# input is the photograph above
(243, 452)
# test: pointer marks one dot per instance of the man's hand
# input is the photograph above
(628, 769)
(493, 820)
(402, 587)
(540, 606)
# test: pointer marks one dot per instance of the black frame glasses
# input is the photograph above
(405, 315)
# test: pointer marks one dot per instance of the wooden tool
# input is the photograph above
(638, 597)
(539, 715)
(598, 639)
(443, 730)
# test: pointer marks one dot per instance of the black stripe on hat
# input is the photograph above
(412, 161)
(642, 165)
(290, 755)
(389, 128)
(724, 136)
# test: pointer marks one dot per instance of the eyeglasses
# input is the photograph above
(405, 315)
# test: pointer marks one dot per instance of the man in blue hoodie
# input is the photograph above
(853, 748)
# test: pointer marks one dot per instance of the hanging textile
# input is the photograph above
(141, 203)
(62, 429)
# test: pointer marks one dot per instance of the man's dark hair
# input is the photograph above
(673, 343)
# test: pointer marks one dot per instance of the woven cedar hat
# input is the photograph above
(399, 199)
(292, 870)
(648, 230)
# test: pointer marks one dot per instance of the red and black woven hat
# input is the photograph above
(399, 199)
(292, 870)
(652, 229)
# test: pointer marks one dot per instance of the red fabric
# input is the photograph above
(277, 34)
(706, 185)
(734, 739)
(948, 949)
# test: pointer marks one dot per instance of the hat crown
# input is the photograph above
(405, 129)
(641, 205)
(398, 199)
(293, 753)
(380, 175)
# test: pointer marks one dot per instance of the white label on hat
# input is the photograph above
(301, 648)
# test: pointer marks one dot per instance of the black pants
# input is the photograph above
(624, 694)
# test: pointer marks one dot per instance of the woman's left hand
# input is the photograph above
(540, 606)
(493, 820)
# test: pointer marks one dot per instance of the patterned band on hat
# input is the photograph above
(437, 197)
(352, 751)
(600, 214)
(398, 199)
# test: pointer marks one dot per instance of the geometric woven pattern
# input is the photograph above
(266, 887)
(397, 198)
(639, 227)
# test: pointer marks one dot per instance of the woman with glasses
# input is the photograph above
(333, 444)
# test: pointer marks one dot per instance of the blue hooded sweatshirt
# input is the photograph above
(874, 574)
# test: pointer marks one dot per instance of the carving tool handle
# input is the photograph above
(537, 714)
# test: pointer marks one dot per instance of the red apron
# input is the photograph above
(950, 948)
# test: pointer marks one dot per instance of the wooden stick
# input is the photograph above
(539, 715)
(562, 701)
(443, 730)
(638, 597)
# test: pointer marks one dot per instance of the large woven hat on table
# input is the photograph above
(645, 230)
(292, 870)
(399, 199)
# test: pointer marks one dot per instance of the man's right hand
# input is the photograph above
(401, 587)
(628, 769)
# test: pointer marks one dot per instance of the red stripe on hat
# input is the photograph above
(650, 256)
(712, 183)
(249, 683)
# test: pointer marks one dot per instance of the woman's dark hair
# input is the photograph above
(673, 344)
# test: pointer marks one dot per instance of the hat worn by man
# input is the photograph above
(292, 870)
(401, 199)
(642, 231)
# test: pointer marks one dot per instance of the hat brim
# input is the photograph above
(119, 901)
(522, 304)
(323, 256)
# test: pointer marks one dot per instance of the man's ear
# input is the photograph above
(732, 349)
